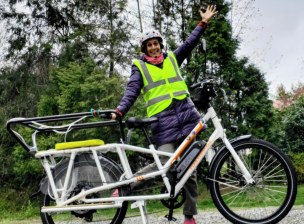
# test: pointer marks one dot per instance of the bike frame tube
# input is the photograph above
(81, 207)
(219, 132)
(159, 166)
(83, 194)
(120, 148)
(49, 174)
(69, 171)
(124, 162)
(100, 171)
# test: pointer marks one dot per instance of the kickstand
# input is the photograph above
(172, 200)
(143, 211)
(170, 217)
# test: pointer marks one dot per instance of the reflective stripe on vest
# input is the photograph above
(162, 95)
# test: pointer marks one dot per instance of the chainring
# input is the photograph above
(178, 201)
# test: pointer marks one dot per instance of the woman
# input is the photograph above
(156, 74)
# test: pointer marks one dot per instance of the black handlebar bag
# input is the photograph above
(202, 96)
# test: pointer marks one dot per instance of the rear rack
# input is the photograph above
(37, 123)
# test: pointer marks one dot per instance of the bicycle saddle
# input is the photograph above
(134, 122)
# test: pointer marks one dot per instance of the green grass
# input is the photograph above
(300, 195)
(16, 206)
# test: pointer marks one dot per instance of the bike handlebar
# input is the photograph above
(203, 82)
(210, 82)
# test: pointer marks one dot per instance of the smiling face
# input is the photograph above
(153, 47)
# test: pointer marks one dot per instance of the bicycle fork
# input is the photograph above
(220, 132)
(239, 162)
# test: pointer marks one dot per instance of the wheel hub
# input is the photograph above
(86, 214)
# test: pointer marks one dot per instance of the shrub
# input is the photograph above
(297, 160)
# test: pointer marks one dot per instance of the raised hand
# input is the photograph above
(209, 13)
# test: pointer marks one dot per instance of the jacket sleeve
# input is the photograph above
(132, 91)
(184, 50)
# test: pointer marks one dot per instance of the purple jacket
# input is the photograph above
(175, 122)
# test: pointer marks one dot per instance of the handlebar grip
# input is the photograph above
(101, 113)
(195, 85)
(203, 82)
(108, 115)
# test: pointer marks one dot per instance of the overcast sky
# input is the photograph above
(275, 41)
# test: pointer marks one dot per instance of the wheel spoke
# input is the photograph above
(270, 189)
(275, 174)
(223, 183)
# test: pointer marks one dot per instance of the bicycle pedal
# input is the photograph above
(170, 218)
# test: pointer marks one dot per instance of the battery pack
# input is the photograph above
(188, 157)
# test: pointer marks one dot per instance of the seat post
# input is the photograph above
(146, 135)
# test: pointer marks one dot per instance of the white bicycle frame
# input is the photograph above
(60, 194)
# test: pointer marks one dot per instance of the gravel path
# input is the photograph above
(295, 216)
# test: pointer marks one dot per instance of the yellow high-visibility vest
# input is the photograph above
(161, 85)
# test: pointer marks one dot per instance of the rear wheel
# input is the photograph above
(272, 195)
(86, 176)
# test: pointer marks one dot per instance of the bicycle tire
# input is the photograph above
(267, 201)
(87, 178)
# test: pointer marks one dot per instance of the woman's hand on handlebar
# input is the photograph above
(113, 116)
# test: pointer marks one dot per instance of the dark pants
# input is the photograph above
(190, 186)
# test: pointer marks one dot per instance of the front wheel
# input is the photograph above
(85, 176)
(272, 195)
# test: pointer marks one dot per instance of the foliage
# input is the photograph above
(17, 204)
(27, 170)
(78, 87)
(293, 125)
(276, 133)
(21, 86)
(249, 106)
(297, 161)
(20, 89)
(289, 116)
(285, 98)
(99, 25)
(172, 18)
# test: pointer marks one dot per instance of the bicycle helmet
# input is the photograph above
(149, 35)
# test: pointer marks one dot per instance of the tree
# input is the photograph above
(77, 86)
(173, 18)
(293, 125)
(20, 89)
(285, 98)
(99, 26)
(285, 113)
(249, 106)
